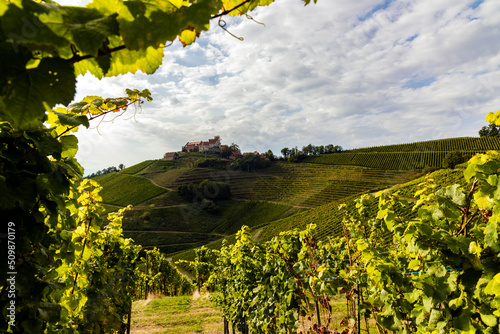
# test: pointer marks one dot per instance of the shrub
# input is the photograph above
(452, 159)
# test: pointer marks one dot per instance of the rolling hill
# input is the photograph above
(270, 200)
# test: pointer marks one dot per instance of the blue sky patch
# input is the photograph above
(476, 4)
(415, 83)
(411, 38)
(375, 9)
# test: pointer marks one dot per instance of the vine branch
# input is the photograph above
(230, 10)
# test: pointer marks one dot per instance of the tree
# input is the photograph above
(270, 155)
(491, 130)
(285, 151)
(452, 159)
(235, 148)
(329, 148)
(46, 47)
(309, 149)
(225, 151)
(319, 149)
(121, 166)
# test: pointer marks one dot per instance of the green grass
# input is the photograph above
(138, 167)
(182, 315)
(122, 189)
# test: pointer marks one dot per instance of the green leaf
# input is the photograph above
(86, 28)
(154, 23)
(428, 303)
(487, 317)
(491, 234)
(454, 194)
(95, 66)
(434, 318)
(470, 172)
(30, 92)
(22, 27)
(389, 321)
(69, 146)
(414, 264)
(46, 145)
(72, 120)
(493, 118)
(125, 61)
(463, 321)
(493, 287)
(49, 312)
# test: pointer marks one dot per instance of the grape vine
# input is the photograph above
(434, 271)
(62, 258)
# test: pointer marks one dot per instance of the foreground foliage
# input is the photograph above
(45, 47)
(434, 272)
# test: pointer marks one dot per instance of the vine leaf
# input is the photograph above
(86, 28)
(125, 61)
(33, 91)
(154, 23)
(69, 146)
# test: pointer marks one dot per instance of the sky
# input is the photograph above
(349, 73)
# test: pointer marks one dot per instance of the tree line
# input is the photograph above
(108, 170)
(294, 154)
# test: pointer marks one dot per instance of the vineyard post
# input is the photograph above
(199, 279)
(129, 317)
(317, 312)
(146, 289)
(358, 318)
(226, 326)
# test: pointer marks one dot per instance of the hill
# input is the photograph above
(408, 156)
(328, 218)
(269, 200)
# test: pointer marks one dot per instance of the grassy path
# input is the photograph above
(188, 315)
(182, 315)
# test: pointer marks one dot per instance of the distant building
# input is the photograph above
(211, 146)
(171, 156)
(235, 155)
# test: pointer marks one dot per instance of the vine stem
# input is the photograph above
(230, 10)
(107, 51)
(465, 218)
(92, 117)
(83, 250)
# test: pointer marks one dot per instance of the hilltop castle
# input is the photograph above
(210, 146)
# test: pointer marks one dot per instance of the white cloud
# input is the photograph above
(352, 73)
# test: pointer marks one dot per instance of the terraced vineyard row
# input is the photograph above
(241, 182)
(315, 185)
(254, 213)
(328, 218)
(441, 178)
(386, 160)
(296, 184)
(451, 144)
